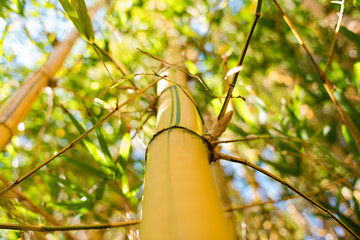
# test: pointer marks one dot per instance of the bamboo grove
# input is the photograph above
(180, 120)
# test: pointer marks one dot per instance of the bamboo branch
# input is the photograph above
(241, 60)
(337, 30)
(118, 65)
(236, 208)
(73, 143)
(327, 84)
(186, 72)
(66, 228)
(219, 155)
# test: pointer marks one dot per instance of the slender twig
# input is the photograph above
(252, 137)
(236, 208)
(337, 30)
(102, 60)
(46, 122)
(119, 66)
(82, 136)
(219, 155)
(127, 78)
(241, 59)
(186, 72)
(327, 84)
(66, 228)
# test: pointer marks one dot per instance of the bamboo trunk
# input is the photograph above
(19, 104)
(180, 200)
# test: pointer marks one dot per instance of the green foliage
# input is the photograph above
(301, 136)
(77, 11)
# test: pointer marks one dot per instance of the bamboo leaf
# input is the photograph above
(84, 19)
(71, 14)
(103, 104)
(124, 152)
(350, 35)
(2, 39)
(191, 67)
(85, 167)
(99, 193)
(103, 144)
(74, 205)
(127, 77)
(356, 3)
(357, 75)
(28, 35)
(233, 71)
(90, 146)
(349, 139)
(71, 186)
(20, 4)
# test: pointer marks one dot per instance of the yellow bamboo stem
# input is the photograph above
(19, 104)
(223, 190)
(180, 198)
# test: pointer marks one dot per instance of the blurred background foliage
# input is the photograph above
(303, 139)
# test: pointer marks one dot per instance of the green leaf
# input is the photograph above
(71, 13)
(357, 75)
(74, 205)
(356, 3)
(99, 193)
(127, 77)
(103, 104)
(349, 139)
(85, 167)
(191, 67)
(124, 152)
(20, 7)
(90, 146)
(103, 144)
(350, 35)
(125, 146)
(77, 12)
(84, 19)
(71, 186)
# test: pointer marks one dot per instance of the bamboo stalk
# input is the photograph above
(77, 140)
(19, 104)
(327, 84)
(241, 60)
(179, 199)
(222, 189)
(66, 228)
(219, 155)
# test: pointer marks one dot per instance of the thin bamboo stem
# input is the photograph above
(327, 84)
(186, 72)
(241, 60)
(81, 137)
(236, 208)
(337, 30)
(288, 185)
(118, 65)
(102, 61)
(66, 228)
